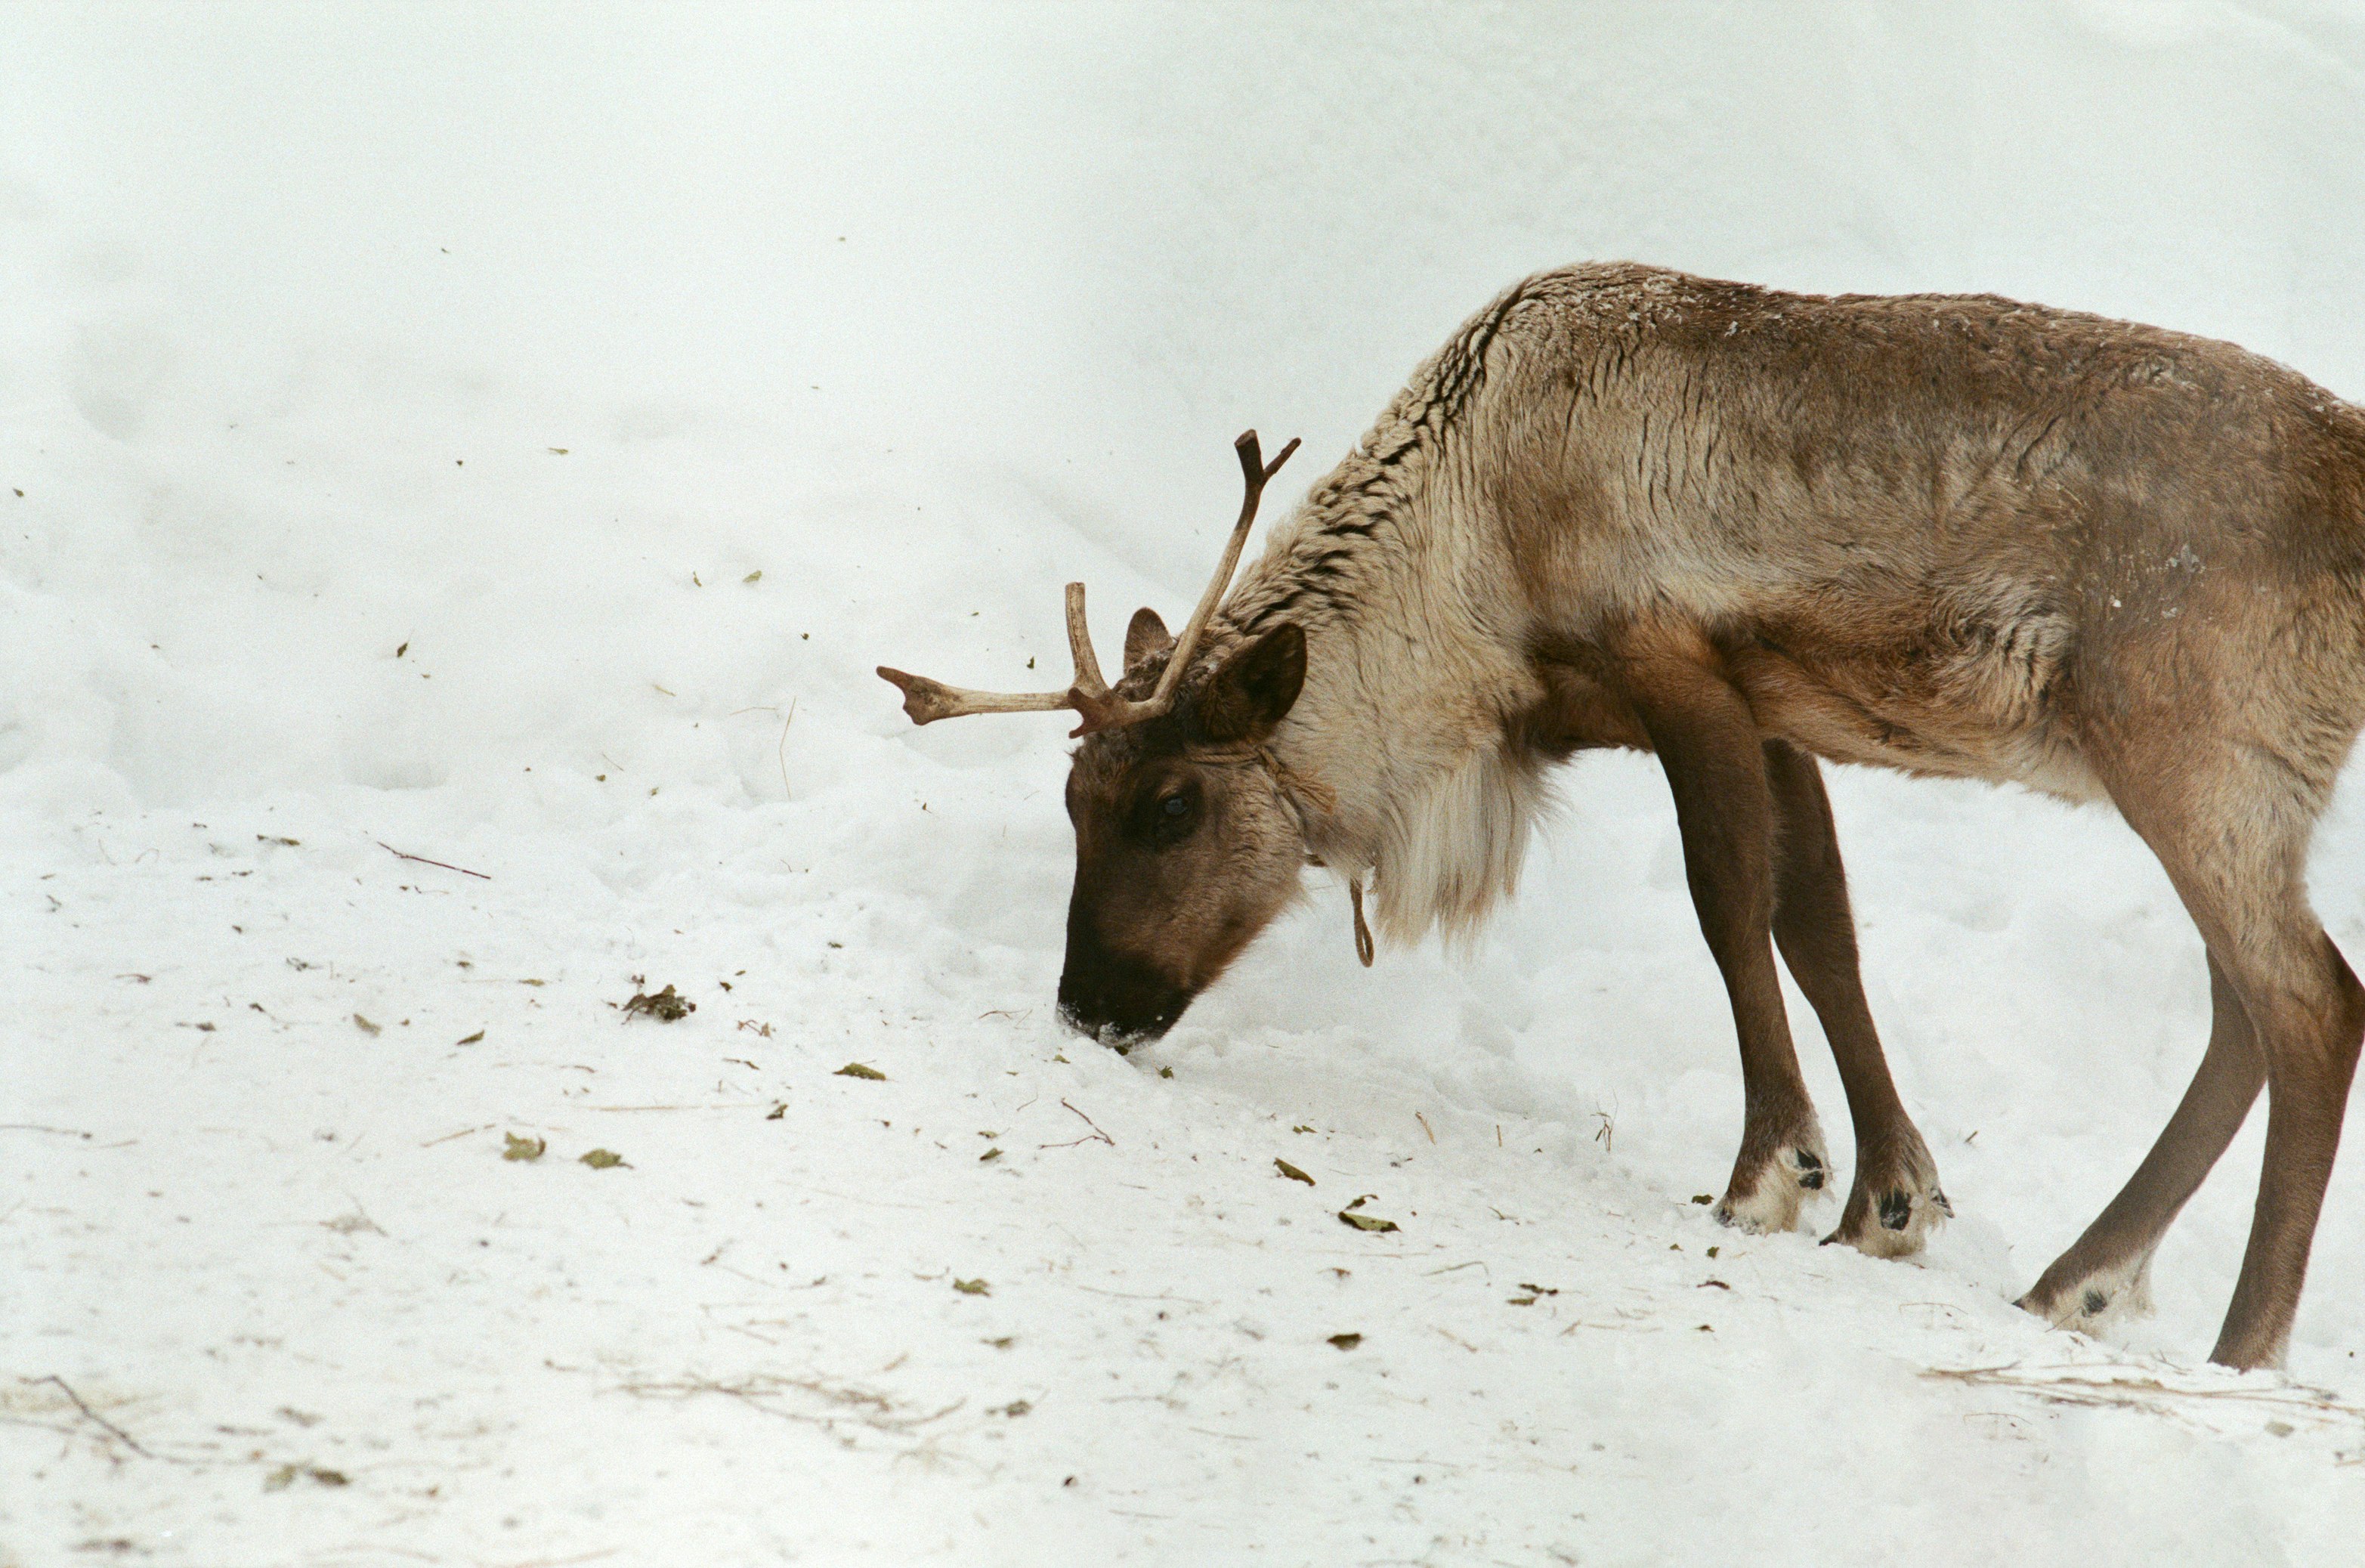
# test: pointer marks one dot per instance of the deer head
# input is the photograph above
(1186, 842)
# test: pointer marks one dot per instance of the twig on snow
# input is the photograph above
(719, 1105)
(1135, 1295)
(781, 751)
(862, 1406)
(441, 865)
(1088, 1138)
(80, 1404)
(2127, 1389)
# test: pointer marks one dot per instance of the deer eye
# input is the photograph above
(1169, 818)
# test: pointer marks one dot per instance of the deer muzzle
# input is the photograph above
(1116, 1000)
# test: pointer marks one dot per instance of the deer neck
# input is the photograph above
(1396, 751)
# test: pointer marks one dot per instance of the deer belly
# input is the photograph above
(1947, 717)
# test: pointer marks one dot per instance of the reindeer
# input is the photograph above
(1748, 531)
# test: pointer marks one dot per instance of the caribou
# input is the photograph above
(1751, 531)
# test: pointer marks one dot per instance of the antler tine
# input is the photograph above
(1254, 473)
(928, 700)
(1088, 680)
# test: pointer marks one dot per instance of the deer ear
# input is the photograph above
(1256, 687)
(1144, 635)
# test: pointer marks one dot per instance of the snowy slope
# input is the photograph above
(510, 437)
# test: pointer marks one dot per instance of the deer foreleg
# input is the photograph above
(1710, 746)
(1895, 1197)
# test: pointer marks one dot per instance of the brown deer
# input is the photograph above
(1745, 530)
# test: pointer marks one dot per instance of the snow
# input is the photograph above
(404, 402)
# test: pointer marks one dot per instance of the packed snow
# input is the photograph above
(458, 468)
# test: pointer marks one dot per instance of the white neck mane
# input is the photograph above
(1413, 666)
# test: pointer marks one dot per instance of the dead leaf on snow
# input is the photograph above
(281, 1478)
(602, 1159)
(518, 1148)
(972, 1287)
(855, 1069)
(666, 1006)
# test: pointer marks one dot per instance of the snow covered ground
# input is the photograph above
(508, 437)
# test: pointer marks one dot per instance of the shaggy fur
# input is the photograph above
(1746, 529)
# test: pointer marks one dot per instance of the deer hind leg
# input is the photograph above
(2106, 1273)
(1895, 1199)
(2232, 831)
(1711, 750)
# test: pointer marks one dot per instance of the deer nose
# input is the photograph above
(1115, 1000)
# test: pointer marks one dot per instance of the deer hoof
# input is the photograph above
(1894, 1223)
(1779, 1190)
(2095, 1301)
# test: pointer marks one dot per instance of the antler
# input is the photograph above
(928, 700)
